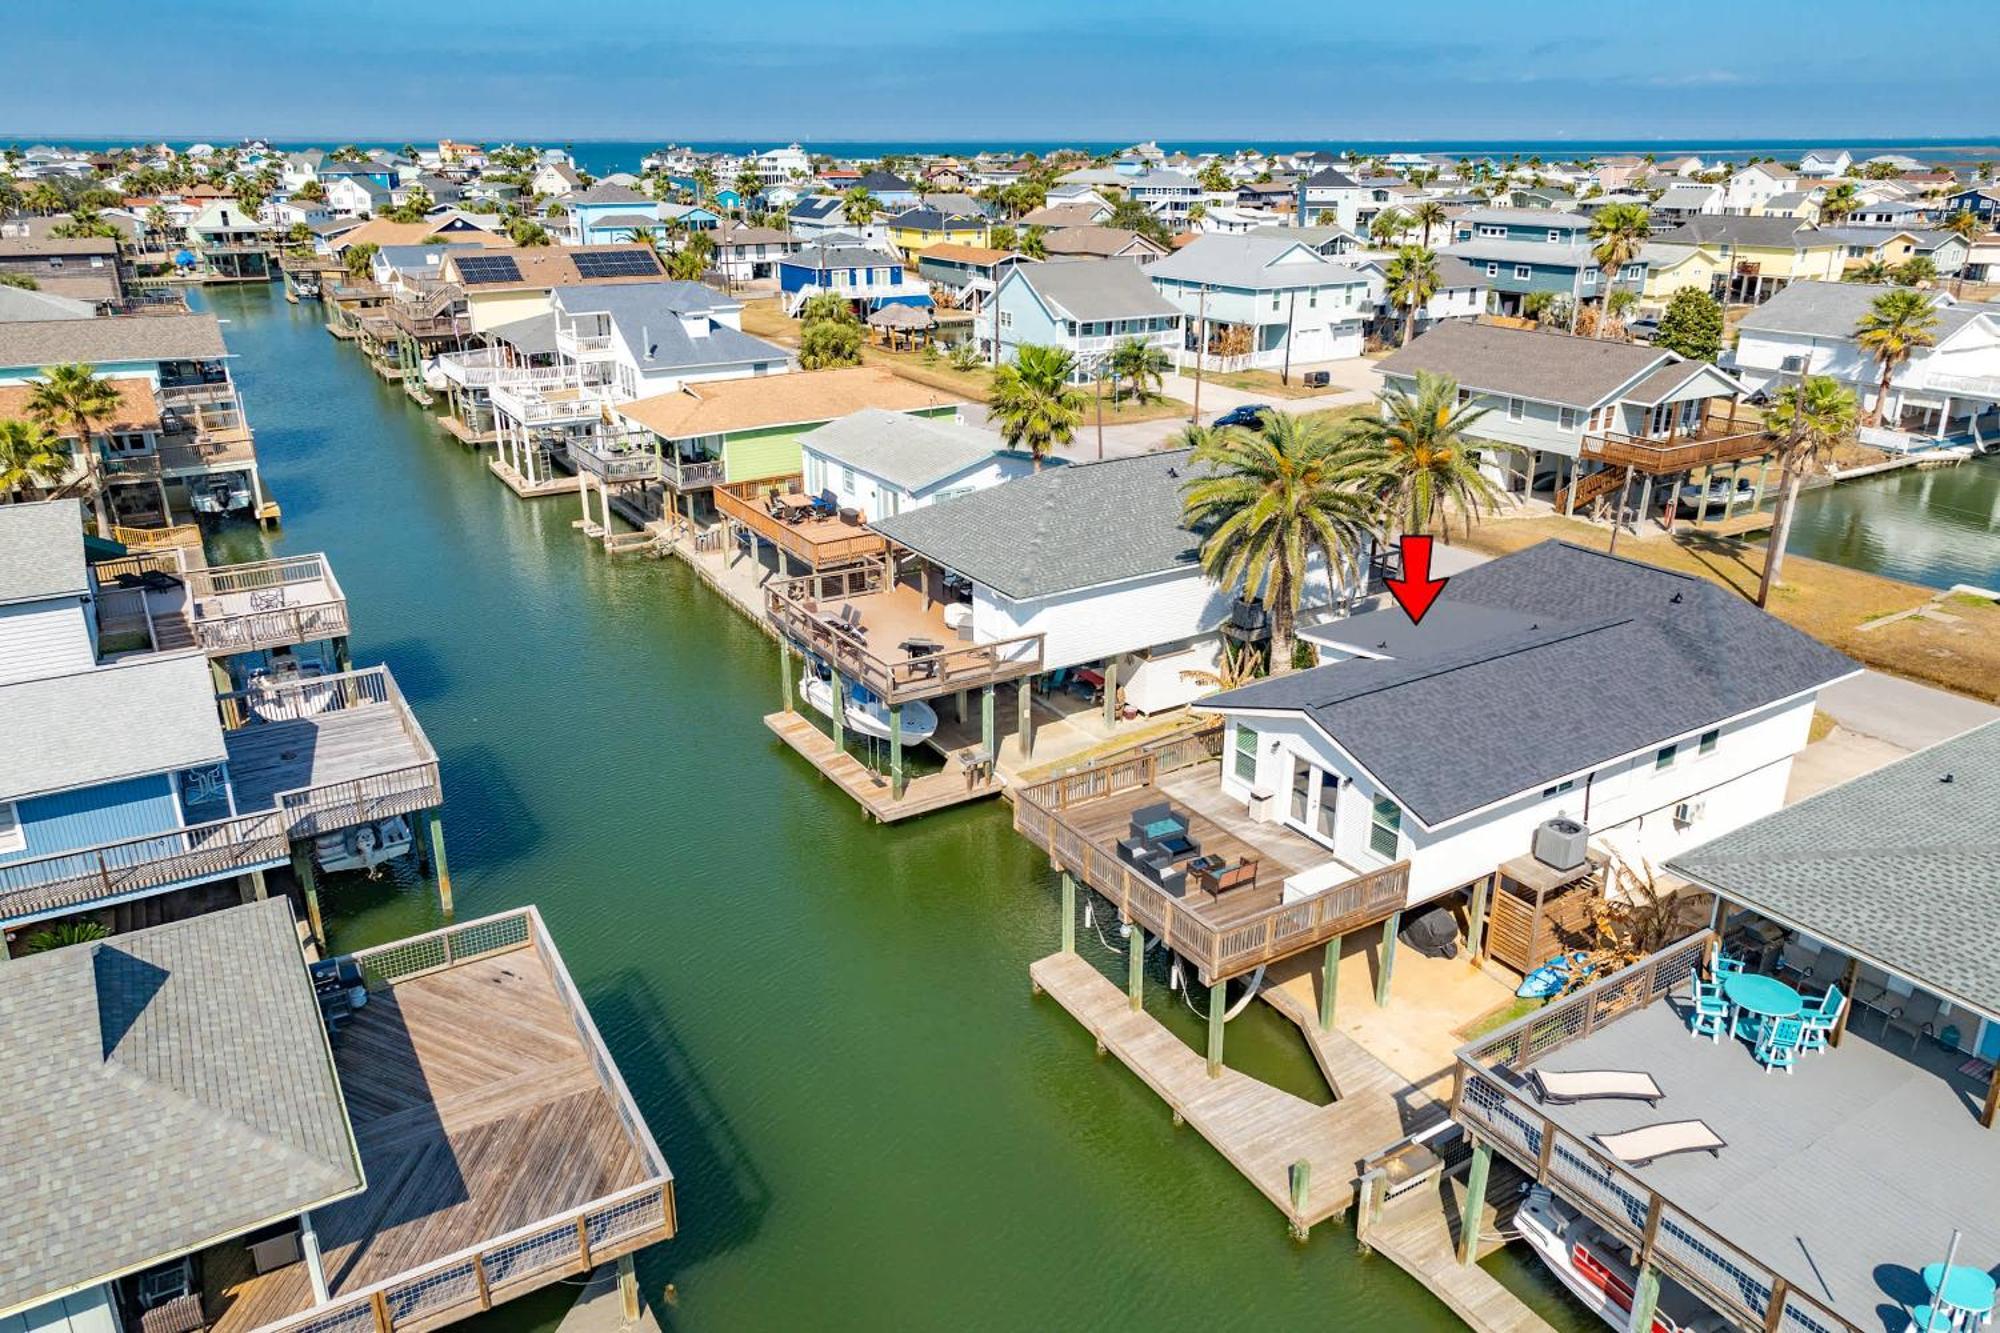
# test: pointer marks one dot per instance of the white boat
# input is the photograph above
(365, 846)
(434, 376)
(868, 715)
(1592, 1266)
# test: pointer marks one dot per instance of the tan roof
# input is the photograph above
(723, 406)
(22, 246)
(545, 266)
(967, 254)
(139, 410)
(384, 231)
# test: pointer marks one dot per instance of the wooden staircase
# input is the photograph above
(1590, 488)
(172, 633)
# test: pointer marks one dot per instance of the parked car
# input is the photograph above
(1643, 330)
(1250, 415)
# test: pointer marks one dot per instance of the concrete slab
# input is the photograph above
(1902, 712)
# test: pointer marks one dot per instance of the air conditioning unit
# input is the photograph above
(1561, 843)
(1690, 812)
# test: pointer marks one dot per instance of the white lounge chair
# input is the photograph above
(1583, 1085)
(1649, 1143)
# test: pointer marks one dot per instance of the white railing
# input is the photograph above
(1984, 386)
(488, 366)
(525, 404)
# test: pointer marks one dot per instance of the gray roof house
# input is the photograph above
(884, 463)
(167, 1089)
(135, 338)
(664, 333)
(41, 552)
(1449, 746)
(1086, 308)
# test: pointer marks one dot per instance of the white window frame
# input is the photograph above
(1555, 236)
(1523, 272)
(1566, 785)
(1244, 750)
(13, 835)
(1708, 742)
(1492, 270)
(1394, 826)
(1664, 757)
(1567, 418)
(1517, 409)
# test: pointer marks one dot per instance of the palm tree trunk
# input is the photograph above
(1882, 395)
(1409, 322)
(1282, 619)
(1781, 532)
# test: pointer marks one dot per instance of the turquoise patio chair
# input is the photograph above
(1778, 1044)
(1819, 1022)
(1727, 965)
(1709, 1014)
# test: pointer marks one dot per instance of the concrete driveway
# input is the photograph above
(1903, 713)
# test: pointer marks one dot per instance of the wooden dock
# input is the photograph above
(465, 434)
(1260, 1129)
(923, 793)
(561, 484)
(1418, 1231)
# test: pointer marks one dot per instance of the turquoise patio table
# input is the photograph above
(1965, 1288)
(1761, 996)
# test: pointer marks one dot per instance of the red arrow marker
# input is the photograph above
(1416, 590)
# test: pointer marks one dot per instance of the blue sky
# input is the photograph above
(1020, 69)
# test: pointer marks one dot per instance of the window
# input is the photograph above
(1566, 418)
(1492, 232)
(1590, 277)
(1555, 236)
(1516, 409)
(1634, 272)
(1708, 740)
(13, 838)
(1492, 270)
(1567, 784)
(1523, 272)
(1664, 759)
(1312, 298)
(1385, 828)
(1006, 319)
(847, 480)
(1245, 763)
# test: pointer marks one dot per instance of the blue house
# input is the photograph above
(1525, 250)
(379, 174)
(869, 279)
(1087, 308)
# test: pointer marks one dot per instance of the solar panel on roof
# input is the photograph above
(488, 268)
(617, 264)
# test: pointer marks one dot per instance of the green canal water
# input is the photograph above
(827, 1023)
(1939, 527)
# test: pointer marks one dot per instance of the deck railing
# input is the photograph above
(219, 630)
(1665, 456)
(43, 884)
(615, 460)
(1217, 951)
(689, 476)
(310, 811)
(795, 608)
(569, 1242)
(147, 539)
(1490, 1101)
(743, 502)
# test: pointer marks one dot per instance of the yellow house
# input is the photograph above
(916, 230)
(1671, 267)
(1761, 256)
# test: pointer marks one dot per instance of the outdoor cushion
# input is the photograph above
(1649, 1143)
(1576, 1085)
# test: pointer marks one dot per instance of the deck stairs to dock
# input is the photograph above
(171, 634)
(1259, 1129)
(1591, 487)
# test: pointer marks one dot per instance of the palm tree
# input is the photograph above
(1271, 500)
(1916, 271)
(1620, 231)
(704, 184)
(1413, 280)
(859, 206)
(359, 259)
(311, 192)
(29, 456)
(1840, 203)
(1428, 214)
(1873, 271)
(1388, 226)
(1033, 403)
(70, 399)
(1420, 462)
(1140, 364)
(1034, 242)
(1898, 323)
(1810, 419)
(44, 198)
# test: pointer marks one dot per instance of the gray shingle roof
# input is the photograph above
(18, 303)
(1765, 233)
(905, 451)
(1252, 261)
(1524, 217)
(533, 336)
(606, 193)
(140, 716)
(1106, 289)
(1060, 529)
(1553, 253)
(1898, 865)
(166, 1089)
(1526, 363)
(1831, 310)
(115, 338)
(41, 551)
(1451, 730)
(648, 315)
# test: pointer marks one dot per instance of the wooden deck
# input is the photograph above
(339, 747)
(560, 484)
(477, 1113)
(1419, 1230)
(1258, 1128)
(922, 794)
(464, 434)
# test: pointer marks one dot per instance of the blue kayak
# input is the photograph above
(1553, 977)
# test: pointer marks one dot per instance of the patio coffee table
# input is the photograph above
(1964, 1288)
(1764, 997)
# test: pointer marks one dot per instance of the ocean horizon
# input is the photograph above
(602, 156)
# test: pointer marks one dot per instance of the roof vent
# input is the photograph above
(1675, 599)
(1946, 779)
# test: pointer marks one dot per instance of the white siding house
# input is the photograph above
(883, 463)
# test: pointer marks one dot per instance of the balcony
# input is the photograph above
(535, 405)
(1711, 443)
(328, 752)
(1080, 817)
(819, 543)
(862, 623)
(265, 604)
(616, 459)
(63, 882)
(1836, 1183)
(494, 1168)
(692, 475)
(489, 366)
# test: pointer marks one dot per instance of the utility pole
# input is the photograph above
(1097, 380)
(1200, 354)
(1291, 311)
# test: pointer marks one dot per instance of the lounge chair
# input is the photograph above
(826, 505)
(1649, 1143)
(1560, 1087)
